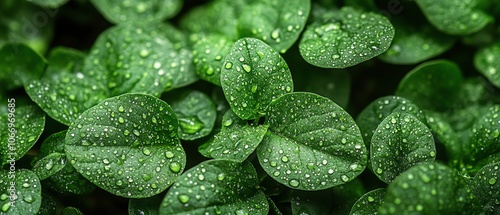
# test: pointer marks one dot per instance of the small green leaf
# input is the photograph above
(114, 140)
(137, 10)
(216, 187)
(487, 61)
(373, 114)
(67, 180)
(484, 144)
(400, 142)
(430, 188)
(253, 76)
(237, 139)
(369, 202)
(50, 3)
(414, 43)
(196, 113)
(457, 17)
(49, 165)
(445, 134)
(208, 55)
(312, 143)
(277, 23)
(433, 85)
(345, 38)
(22, 125)
(16, 71)
(486, 186)
(147, 206)
(20, 192)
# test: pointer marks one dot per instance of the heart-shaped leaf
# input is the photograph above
(127, 145)
(216, 187)
(20, 192)
(312, 143)
(137, 10)
(345, 38)
(253, 76)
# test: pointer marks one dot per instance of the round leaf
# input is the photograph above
(254, 75)
(487, 61)
(400, 142)
(127, 145)
(196, 113)
(49, 165)
(486, 186)
(20, 192)
(236, 140)
(369, 202)
(345, 38)
(137, 10)
(208, 53)
(457, 17)
(278, 23)
(216, 187)
(433, 85)
(312, 143)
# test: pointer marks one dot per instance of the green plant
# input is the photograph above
(250, 107)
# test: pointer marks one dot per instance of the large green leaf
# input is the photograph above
(277, 23)
(345, 38)
(20, 192)
(15, 70)
(237, 139)
(400, 141)
(486, 186)
(457, 17)
(369, 202)
(312, 143)
(137, 10)
(487, 61)
(253, 76)
(127, 145)
(433, 85)
(216, 187)
(430, 188)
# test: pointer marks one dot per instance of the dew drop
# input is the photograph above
(229, 65)
(119, 183)
(6, 207)
(294, 183)
(183, 199)
(49, 165)
(3, 196)
(169, 154)
(275, 34)
(254, 89)
(221, 176)
(246, 67)
(227, 122)
(146, 151)
(371, 199)
(284, 159)
(492, 181)
(144, 53)
(29, 199)
(201, 177)
(190, 125)
(121, 109)
(136, 132)
(175, 167)
(344, 178)
(26, 185)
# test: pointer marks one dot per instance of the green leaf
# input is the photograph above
(277, 23)
(433, 85)
(15, 70)
(486, 61)
(49, 165)
(48, 205)
(430, 188)
(414, 43)
(237, 139)
(196, 113)
(345, 38)
(457, 17)
(127, 145)
(445, 134)
(253, 76)
(485, 140)
(137, 10)
(373, 114)
(50, 3)
(216, 187)
(208, 56)
(147, 206)
(369, 202)
(22, 125)
(486, 186)
(312, 143)
(67, 180)
(400, 142)
(71, 211)
(20, 192)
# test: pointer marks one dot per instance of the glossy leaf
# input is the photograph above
(345, 38)
(486, 61)
(400, 142)
(445, 134)
(455, 17)
(22, 126)
(485, 142)
(137, 10)
(20, 192)
(49, 165)
(369, 202)
(196, 113)
(277, 23)
(208, 56)
(253, 76)
(237, 139)
(20, 64)
(312, 143)
(430, 188)
(486, 186)
(432, 85)
(216, 187)
(130, 138)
